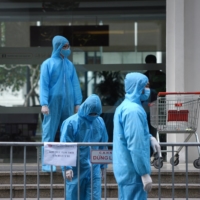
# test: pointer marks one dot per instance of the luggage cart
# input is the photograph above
(175, 112)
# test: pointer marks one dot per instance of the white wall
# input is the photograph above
(192, 52)
(182, 56)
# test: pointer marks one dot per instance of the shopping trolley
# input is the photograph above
(175, 112)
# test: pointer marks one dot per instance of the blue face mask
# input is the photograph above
(65, 52)
(91, 118)
(146, 94)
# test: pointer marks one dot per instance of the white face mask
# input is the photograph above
(146, 94)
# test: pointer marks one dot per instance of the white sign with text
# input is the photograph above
(60, 154)
(101, 156)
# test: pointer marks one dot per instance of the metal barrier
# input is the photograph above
(186, 145)
(40, 144)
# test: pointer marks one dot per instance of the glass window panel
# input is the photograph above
(112, 58)
(127, 49)
(151, 35)
(132, 57)
(121, 33)
(78, 58)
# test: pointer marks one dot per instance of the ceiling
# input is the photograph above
(33, 9)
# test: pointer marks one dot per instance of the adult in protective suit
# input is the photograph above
(60, 93)
(132, 140)
(85, 126)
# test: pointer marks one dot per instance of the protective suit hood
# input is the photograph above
(91, 105)
(58, 42)
(134, 84)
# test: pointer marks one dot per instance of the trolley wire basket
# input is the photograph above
(174, 112)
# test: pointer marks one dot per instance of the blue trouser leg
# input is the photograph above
(72, 189)
(49, 127)
(96, 188)
(85, 189)
(132, 192)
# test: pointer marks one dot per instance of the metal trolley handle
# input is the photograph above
(177, 93)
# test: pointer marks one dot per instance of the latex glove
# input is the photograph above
(147, 182)
(76, 108)
(155, 145)
(45, 110)
(69, 174)
(103, 171)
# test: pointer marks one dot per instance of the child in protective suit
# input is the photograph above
(85, 126)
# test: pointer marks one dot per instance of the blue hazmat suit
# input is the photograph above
(59, 90)
(81, 127)
(131, 143)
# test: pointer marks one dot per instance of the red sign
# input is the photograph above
(101, 156)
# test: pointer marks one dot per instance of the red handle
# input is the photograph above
(171, 93)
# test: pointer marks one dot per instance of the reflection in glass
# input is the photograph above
(19, 83)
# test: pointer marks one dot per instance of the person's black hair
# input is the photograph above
(150, 59)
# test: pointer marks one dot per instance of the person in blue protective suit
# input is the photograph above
(85, 126)
(132, 140)
(60, 92)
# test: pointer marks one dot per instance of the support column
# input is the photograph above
(182, 56)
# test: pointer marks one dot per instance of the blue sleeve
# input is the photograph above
(137, 138)
(77, 89)
(103, 139)
(67, 135)
(44, 84)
